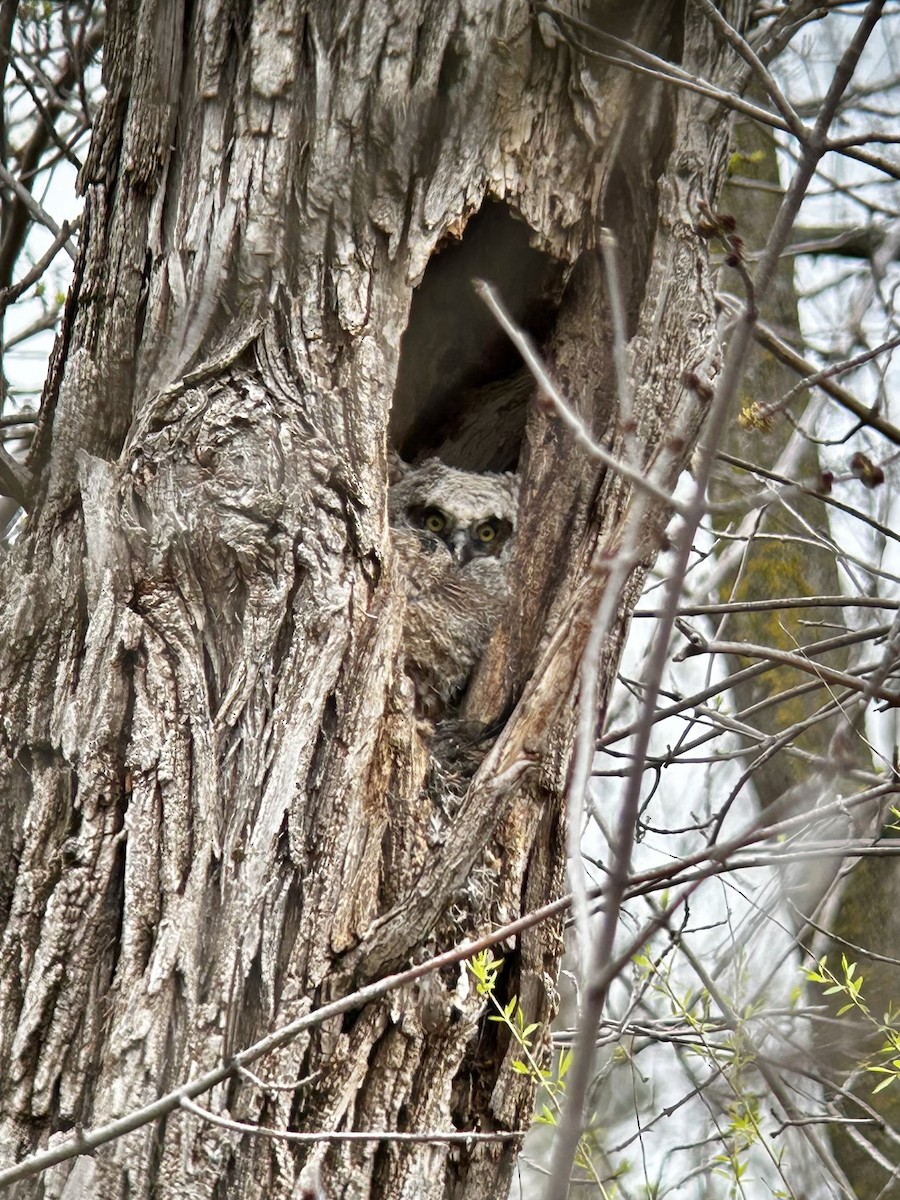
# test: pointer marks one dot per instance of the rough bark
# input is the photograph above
(223, 810)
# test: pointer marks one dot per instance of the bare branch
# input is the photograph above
(35, 210)
(462, 1137)
(561, 409)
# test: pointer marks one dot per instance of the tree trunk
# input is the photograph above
(223, 809)
(855, 900)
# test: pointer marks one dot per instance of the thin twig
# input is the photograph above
(763, 76)
(457, 1137)
(609, 254)
(799, 662)
(35, 210)
(824, 646)
(561, 409)
(10, 294)
(773, 605)
(790, 358)
(642, 62)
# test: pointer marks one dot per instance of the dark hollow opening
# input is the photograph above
(462, 393)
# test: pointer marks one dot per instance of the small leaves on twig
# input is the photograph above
(849, 985)
(755, 417)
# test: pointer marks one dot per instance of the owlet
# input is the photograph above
(453, 532)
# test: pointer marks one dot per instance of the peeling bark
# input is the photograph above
(223, 810)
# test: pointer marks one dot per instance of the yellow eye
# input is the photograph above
(435, 521)
(486, 531)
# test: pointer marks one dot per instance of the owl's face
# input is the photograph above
(481, 538)
(454, 532)
(473, 516)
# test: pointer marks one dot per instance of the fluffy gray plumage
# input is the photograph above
(454, 532)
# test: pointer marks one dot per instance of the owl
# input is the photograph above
(453, 532)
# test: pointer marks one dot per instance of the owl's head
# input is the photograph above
(474, 516)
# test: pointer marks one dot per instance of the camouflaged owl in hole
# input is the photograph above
(453, 532)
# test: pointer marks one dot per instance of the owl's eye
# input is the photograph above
(434, 520)
(486, 531)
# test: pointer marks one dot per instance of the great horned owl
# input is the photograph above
(453, 531)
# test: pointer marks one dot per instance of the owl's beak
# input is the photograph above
(460, 546)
